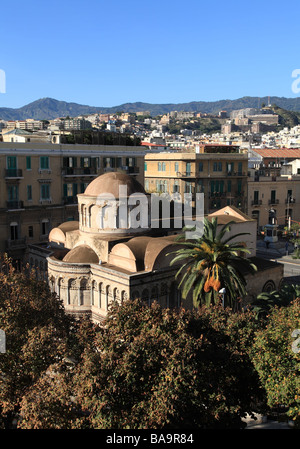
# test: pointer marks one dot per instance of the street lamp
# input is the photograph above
(289, 199)
(222, 292)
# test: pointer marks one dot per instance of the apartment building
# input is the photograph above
(221, 176)
(40, 183)
(280, 193)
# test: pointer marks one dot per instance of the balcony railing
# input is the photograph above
(128, 170)
(16, 243)
(80, 171)
(290, 200)
(256, 203)
(15, 204)
(273, 201)
(70, 199)
(13, 173)
(185, 174)
(236, 173)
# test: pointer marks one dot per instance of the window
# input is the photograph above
(256, 197)
(273, 196)
(28, 162)
(14, 231)
(45, 227)
(70, 162)
(221, 186)
(83, 186)
(109, 162)
(29, 193)
(11, 162)
(145, 166)
(176, 188)
(230, 167)
(70, 189)
(240, 168)
(163, 166)
(220, 166)
(159, 166)
(239, 186)
(130, 162)
(188, 168)
(30, 232)
(188, 187)
(85, 162)
(13, 193)
(176, 167)
(200, 166)
(45, 192)
(229, 186)
(44, 163)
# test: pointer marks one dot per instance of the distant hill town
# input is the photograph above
(49, 108)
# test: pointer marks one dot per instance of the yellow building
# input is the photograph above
(280, 193)
(221, 176)
(40, 183)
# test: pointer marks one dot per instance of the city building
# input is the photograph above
(218, 171)
(105, 257)
(40, 183)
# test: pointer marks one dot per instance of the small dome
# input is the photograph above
(109, 183)
(81, 254)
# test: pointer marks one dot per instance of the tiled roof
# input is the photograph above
(292, 153)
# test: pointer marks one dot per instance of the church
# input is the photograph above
(104, 257)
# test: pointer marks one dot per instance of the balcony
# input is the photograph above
(15, 244)
(15, 204)
(128, 170)
(272, 202)
(15, 173)
(70, 200)
(290, 200)
(256, 202)
(237, 173)
(82, 171)
(185, 174)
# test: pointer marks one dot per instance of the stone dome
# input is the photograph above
(109, 183)
(81, 254)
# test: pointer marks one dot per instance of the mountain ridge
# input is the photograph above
(50, 108)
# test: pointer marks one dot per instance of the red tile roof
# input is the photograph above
(292, 153)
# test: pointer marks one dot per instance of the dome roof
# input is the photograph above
(81, 254)
(58, 234)
(109, 183)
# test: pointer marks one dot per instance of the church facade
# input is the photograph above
(105, 257)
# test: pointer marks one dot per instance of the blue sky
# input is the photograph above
(105, 53)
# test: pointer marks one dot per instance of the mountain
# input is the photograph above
(49, 108)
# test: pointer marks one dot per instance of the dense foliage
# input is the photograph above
(38, 333)
(147, 368)
(276, 356)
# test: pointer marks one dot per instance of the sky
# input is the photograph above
(106, 53)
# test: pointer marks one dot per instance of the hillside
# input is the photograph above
(49, 108)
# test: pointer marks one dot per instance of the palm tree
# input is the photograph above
(211, 263)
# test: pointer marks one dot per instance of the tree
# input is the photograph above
(276, 357)
(155, 368)
(266, 301)
(211, 263)
(38, 334)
